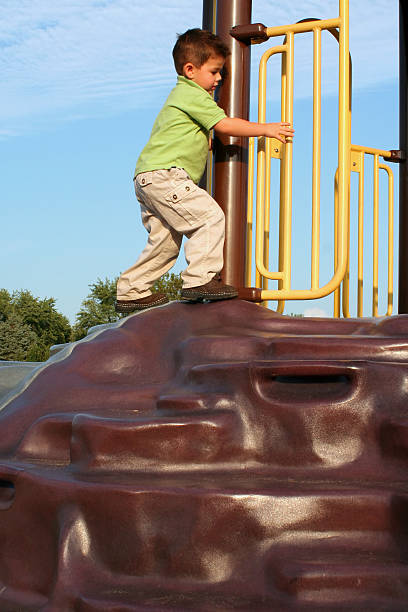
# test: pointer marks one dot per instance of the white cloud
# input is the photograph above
(59, 56)
(373, 41)
(315, 312)
(90, 57)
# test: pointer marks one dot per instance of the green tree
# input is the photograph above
(37, 315)
(170, 284)
(50, 326)
(99, 306)
(5, 304)
(16, 338)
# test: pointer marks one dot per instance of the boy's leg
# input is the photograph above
(158, 256)
(193, 212)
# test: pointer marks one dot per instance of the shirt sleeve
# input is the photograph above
(202, 108)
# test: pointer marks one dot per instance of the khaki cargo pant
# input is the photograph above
(173, 206)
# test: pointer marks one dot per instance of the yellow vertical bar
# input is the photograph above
(346, 292)
(260, 178)
(336, 305)
(390, 295)
(344, 132)
(260, 195)
(346, 279)
(250, 211)
(287, 246)
(263, 172)
(267, 209)
(317, 88)
(281, 303)
(375, 236)
(390, 240)
(360, 271)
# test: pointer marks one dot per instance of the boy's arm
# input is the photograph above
(233, 126)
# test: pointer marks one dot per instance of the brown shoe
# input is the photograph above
(214, 290)
(126, 306)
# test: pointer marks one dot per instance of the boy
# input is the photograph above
(167, 175)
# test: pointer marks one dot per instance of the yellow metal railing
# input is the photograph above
(268, 148)
(357, 165)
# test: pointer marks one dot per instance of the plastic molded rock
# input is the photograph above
(210, 457)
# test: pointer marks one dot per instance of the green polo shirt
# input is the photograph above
(180, 133)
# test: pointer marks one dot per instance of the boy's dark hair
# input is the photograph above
(197, 46)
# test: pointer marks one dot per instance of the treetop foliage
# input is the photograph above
(16, 339)
(29, 325)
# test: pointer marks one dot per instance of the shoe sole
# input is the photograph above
(206, 298)
(138, 307)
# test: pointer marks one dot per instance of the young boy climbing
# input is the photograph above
(167, 175)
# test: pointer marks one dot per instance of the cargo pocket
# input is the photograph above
(184, 202)
(141, 181)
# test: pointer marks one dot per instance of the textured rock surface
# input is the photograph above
(12, 373)
(210, 457)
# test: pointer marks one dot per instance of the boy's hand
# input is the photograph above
(233, 126)
(280, 131)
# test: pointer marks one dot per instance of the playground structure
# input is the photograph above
(241, 239)
(212, 456)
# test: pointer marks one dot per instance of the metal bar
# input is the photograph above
(360, 270)
(344, 166)
(371, 151)
(231, 154)
(305, 26)
(375, 236)
(253, 32)
(403, 171)
(209, 15)
(344, 135)
(317, 93)
(208, 23)
(358, 166)
(281, 303)
(346, 279)
(267, 208)
(250, 211)
(346, 282)
(390, 292)
(337, 296)
(261, 164)
(288, 162)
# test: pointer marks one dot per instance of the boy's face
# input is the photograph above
(208, 75)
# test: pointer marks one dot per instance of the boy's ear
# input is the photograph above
(188, 70)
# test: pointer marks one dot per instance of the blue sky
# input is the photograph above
(82, 81)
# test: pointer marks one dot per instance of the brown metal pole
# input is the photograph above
(210, 25)
(231, 154)
(403, 171)
(208, 12)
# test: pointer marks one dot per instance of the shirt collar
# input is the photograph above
(182, 79)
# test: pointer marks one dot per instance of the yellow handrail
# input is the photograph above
(317, 92)
(347, 154)
(250, 211)
(358, 153)
(261, 169)
(390, 295)
(283, 274)
(304, 26)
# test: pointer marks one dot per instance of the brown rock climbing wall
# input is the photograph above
(210, 457)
